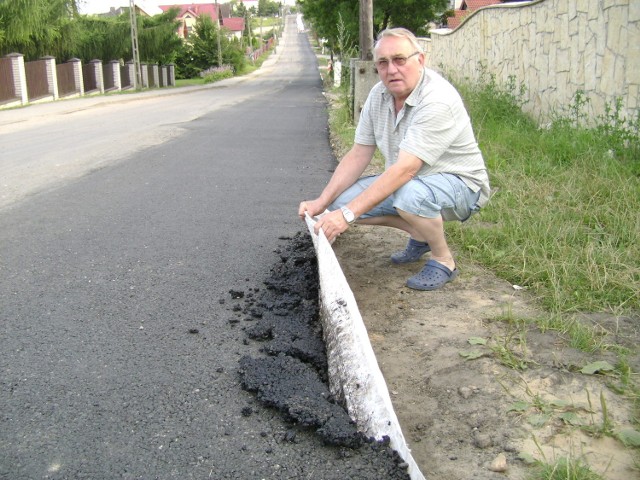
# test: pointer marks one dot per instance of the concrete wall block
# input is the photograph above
(633, 94)
(633, 14)
(633, 57)
(554, 47)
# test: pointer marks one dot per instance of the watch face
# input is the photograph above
(348, 215)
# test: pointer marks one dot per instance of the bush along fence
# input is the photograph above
(42, 80)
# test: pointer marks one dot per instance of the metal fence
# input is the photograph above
(23, 82)
(37, 81)
(89, 77)
(66, 75)
(109, 80)
(125, 77)
(7, 88)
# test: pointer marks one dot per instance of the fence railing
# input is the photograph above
(25, 82)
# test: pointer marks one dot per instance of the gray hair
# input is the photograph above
(399, 32)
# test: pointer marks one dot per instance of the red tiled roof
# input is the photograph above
(466, 8)
(235, 24)
(476, 4)
(456, 20)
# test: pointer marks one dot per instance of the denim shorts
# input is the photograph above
(429, 196)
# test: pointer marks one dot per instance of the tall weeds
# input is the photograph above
(565, 216)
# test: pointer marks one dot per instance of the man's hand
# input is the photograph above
(312, 207)
(332, 224)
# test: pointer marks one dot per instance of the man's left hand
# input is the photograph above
(332, 224)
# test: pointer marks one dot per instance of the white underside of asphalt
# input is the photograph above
(355, 378)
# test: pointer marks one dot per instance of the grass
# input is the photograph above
(187, 82)
(564, 468)
(563, 220)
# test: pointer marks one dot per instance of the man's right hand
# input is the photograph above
(312, 207)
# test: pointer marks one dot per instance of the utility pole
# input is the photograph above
(366, 29)
(134, 43)
(250, 36)
(218, 36)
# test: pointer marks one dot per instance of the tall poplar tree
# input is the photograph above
(327, 15)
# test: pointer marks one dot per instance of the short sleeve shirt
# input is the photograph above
(433, 125)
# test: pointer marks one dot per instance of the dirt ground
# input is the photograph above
(445, 357)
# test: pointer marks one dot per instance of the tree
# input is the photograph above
(157, 37)
(327, 15)
(201, 52)
(412, 14)
(268, 8)
(36, 27)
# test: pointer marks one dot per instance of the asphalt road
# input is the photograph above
(124, 224)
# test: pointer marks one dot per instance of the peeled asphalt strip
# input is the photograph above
(355, 378)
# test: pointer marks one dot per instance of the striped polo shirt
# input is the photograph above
(433, 125)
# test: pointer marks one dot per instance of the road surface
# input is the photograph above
(124, 224)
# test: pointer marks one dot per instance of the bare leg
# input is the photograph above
(430, 230)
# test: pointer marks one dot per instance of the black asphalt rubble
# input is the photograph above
(292, 375)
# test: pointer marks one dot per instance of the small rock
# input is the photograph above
(465, 392)
(499, 463)
(482, 440)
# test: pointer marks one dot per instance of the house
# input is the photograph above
(143, 8)
(235, 25)
(466, 8)
(220, 13)
(189, 13)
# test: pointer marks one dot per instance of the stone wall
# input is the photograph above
(555, 48)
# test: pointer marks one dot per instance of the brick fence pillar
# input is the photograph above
(77, 75)
(117, 80)
(19, 77)
(52, 76)
(145, 75)
(163, 76)
(172, 75)
(99, 75)
(155, 82)
(131, 67)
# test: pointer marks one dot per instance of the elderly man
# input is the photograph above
(434, 171)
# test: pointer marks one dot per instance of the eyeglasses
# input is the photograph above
(398, 61)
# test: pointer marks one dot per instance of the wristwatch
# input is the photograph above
(348, 215)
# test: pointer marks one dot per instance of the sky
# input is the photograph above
(102, 6)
